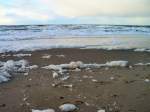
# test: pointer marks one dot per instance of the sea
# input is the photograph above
(15, 38)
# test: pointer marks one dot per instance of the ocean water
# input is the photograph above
(35, 37)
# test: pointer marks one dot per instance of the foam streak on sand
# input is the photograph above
(79, 64)
(63, 68)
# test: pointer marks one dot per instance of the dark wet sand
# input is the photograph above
(128, 92)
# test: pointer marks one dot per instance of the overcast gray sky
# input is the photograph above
(129, 12)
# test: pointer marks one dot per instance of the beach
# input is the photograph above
(112, 88)
(74, 55)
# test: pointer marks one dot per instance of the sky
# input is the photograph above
(119, 12)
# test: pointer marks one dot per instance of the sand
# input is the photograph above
(116, 89)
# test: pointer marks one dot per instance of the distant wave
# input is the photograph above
(22, 32)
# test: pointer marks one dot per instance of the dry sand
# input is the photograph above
(114, 89)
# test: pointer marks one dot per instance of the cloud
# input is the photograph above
(79, 8)
(115, 20)
(27, 14)
(20, 12)
(75, 11)
(4, 19)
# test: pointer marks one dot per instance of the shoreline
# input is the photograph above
(109, 43)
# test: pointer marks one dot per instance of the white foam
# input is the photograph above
(94, 80)
(142, 50)
(46, 56)
(73, 65)
(33, 67)
(15, 66)
(5, 55)
(8, 68)
(63, 68)
(108, 43)
(78, 65)
(55, 74)
(65, 78)
(53, 67)
(117, 63)
(142, 64)
(3, 78)
(46, 110)
(22, 55)
(67, 107)
(68, 85)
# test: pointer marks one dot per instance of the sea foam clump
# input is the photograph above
(81, 65)
(9, 67)
(63, 68)
(46, 56)
(117, 63)
(142, 50)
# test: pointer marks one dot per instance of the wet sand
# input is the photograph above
(114, 89)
